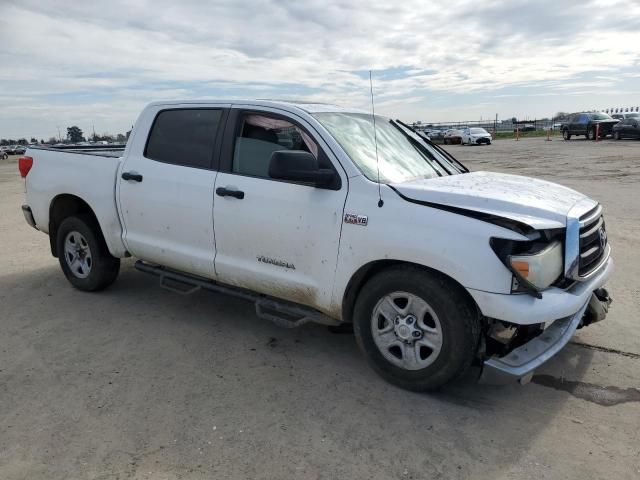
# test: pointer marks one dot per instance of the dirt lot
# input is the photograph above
(136, 382)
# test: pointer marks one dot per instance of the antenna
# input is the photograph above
(375, 140)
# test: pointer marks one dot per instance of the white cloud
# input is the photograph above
(80, 62)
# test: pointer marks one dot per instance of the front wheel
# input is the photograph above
(616, 135)
(83, 254)
(566, 135)
(417, 329)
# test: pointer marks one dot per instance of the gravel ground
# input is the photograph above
(136, 382)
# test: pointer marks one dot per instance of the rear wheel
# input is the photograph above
(417, 329)
(565, 134)
(83, 254)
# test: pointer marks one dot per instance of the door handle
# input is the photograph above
(136, 177)
(225, 192)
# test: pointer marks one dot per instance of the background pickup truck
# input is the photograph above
(303, 210)
(587, 124)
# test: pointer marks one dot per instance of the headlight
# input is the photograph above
(539, 269)
(535, 264)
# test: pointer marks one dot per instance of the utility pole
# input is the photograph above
(59, 137)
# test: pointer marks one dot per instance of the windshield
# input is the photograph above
(402, 156)
(600, 116)
(478, 130)
(633, 115)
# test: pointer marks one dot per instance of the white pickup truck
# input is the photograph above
(318, 213)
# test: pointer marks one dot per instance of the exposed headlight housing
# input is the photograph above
(535, 264)
(539, 269)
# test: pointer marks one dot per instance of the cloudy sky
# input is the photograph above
(98, 63)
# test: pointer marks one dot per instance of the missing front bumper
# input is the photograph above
(520, 364)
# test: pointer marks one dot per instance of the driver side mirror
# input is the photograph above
(300, 166)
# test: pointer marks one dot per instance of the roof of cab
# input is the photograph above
(306, 106)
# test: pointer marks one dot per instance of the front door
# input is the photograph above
(165, 189)
(276, 237)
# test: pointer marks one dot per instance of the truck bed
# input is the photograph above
(85, 172)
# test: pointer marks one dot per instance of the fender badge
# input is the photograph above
(354, 219)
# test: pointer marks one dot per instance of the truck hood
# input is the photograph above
(536, 203)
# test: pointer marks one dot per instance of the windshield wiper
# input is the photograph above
(455, 163)
(430, 157)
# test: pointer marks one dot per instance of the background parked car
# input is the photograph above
(627, 128)
(525, 127)
(622, 116)
(436, 133)
(452, 136)
(3, 154)
(19, 150)
(475, 136)
(586, 123)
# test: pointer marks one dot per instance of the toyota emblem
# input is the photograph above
(603, 237)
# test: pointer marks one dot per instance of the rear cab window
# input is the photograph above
(184, 137)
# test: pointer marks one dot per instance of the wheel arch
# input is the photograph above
(62, 207)
(367, 271)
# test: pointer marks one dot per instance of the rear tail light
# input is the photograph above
(24, 165)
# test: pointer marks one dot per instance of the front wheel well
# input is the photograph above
(62, 207)
(367, 271)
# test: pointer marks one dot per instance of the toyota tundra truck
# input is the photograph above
(317, 213)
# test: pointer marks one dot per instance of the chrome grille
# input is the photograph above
(593, 241)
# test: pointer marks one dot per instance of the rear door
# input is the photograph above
(625, 127)
(629, 127)
(272, 236)
(165, 187)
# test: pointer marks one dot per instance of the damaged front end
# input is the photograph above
(511, 353)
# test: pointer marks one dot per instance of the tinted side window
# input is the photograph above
(184, 137)
(258, 136)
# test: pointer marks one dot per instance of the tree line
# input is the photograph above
(74, 135)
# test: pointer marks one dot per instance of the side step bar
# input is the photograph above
(281, 312)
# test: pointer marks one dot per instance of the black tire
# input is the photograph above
(565, 134)
(616, 135)
(103, 268)
(457, 317)
(591, 133)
